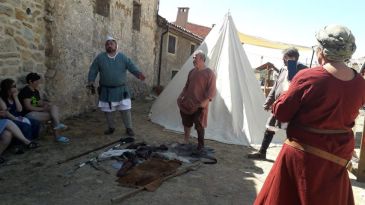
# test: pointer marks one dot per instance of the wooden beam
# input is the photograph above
(361, 169)
(267, 80)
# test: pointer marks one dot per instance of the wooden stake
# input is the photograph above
(87, 152)
(361, 169)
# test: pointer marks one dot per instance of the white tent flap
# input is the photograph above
(236, 115)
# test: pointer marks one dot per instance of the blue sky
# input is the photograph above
(287, 21)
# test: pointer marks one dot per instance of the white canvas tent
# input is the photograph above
(258, 55)
(235, 115)
(260, 50)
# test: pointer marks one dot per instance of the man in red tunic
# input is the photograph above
(194, 99)
(321, 105)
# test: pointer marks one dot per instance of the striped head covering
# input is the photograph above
(337, 42)
(110, 38)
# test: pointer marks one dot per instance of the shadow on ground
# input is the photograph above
(36, 178)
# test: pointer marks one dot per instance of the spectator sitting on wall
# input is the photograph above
(10, 103)
(36, 108)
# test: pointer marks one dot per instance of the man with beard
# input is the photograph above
(113, 92)
(194, 99)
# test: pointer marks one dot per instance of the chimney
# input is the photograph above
(182, 16)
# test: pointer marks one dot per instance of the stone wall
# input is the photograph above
(59, 40)
(22, 38)
(78, 35)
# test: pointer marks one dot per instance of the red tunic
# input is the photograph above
(316, 99)
(199, 87)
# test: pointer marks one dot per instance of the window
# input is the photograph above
(136, 16)
(102, 7)
(172, 44)
(192, 48)
(173, 73)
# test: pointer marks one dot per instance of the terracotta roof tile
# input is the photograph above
(198, 29)
(186, 31)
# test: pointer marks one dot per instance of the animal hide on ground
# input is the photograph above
(150, 170)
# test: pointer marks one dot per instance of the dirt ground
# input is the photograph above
(36, 178)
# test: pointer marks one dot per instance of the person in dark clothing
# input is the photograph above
(282, 81)
(34, 107)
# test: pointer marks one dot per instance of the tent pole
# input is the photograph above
(360, 175)
(312, 57)
(266, 80)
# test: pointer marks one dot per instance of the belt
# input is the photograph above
(320, 153)
(321, 131)
(112, 86)
(107, 91)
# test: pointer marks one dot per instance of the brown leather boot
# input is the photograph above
(109, 131)
(261, 154)
(257, 155)
(130, 132)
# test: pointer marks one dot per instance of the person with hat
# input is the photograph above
(272, 124)
(321, 107)
(114, 95)
(36, 108)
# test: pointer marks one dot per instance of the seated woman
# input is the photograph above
(8, 129)
(9, 102)
(5, 138)
(36, 108)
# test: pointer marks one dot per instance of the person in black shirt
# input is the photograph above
(36, 108)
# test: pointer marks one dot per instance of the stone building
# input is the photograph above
(179, 40)
(59, 40)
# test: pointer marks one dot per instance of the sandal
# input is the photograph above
(60, 126)
(62, 139)
(32, 145)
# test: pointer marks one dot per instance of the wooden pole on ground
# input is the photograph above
(87, 152)
(122, 141)
(361, 169)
